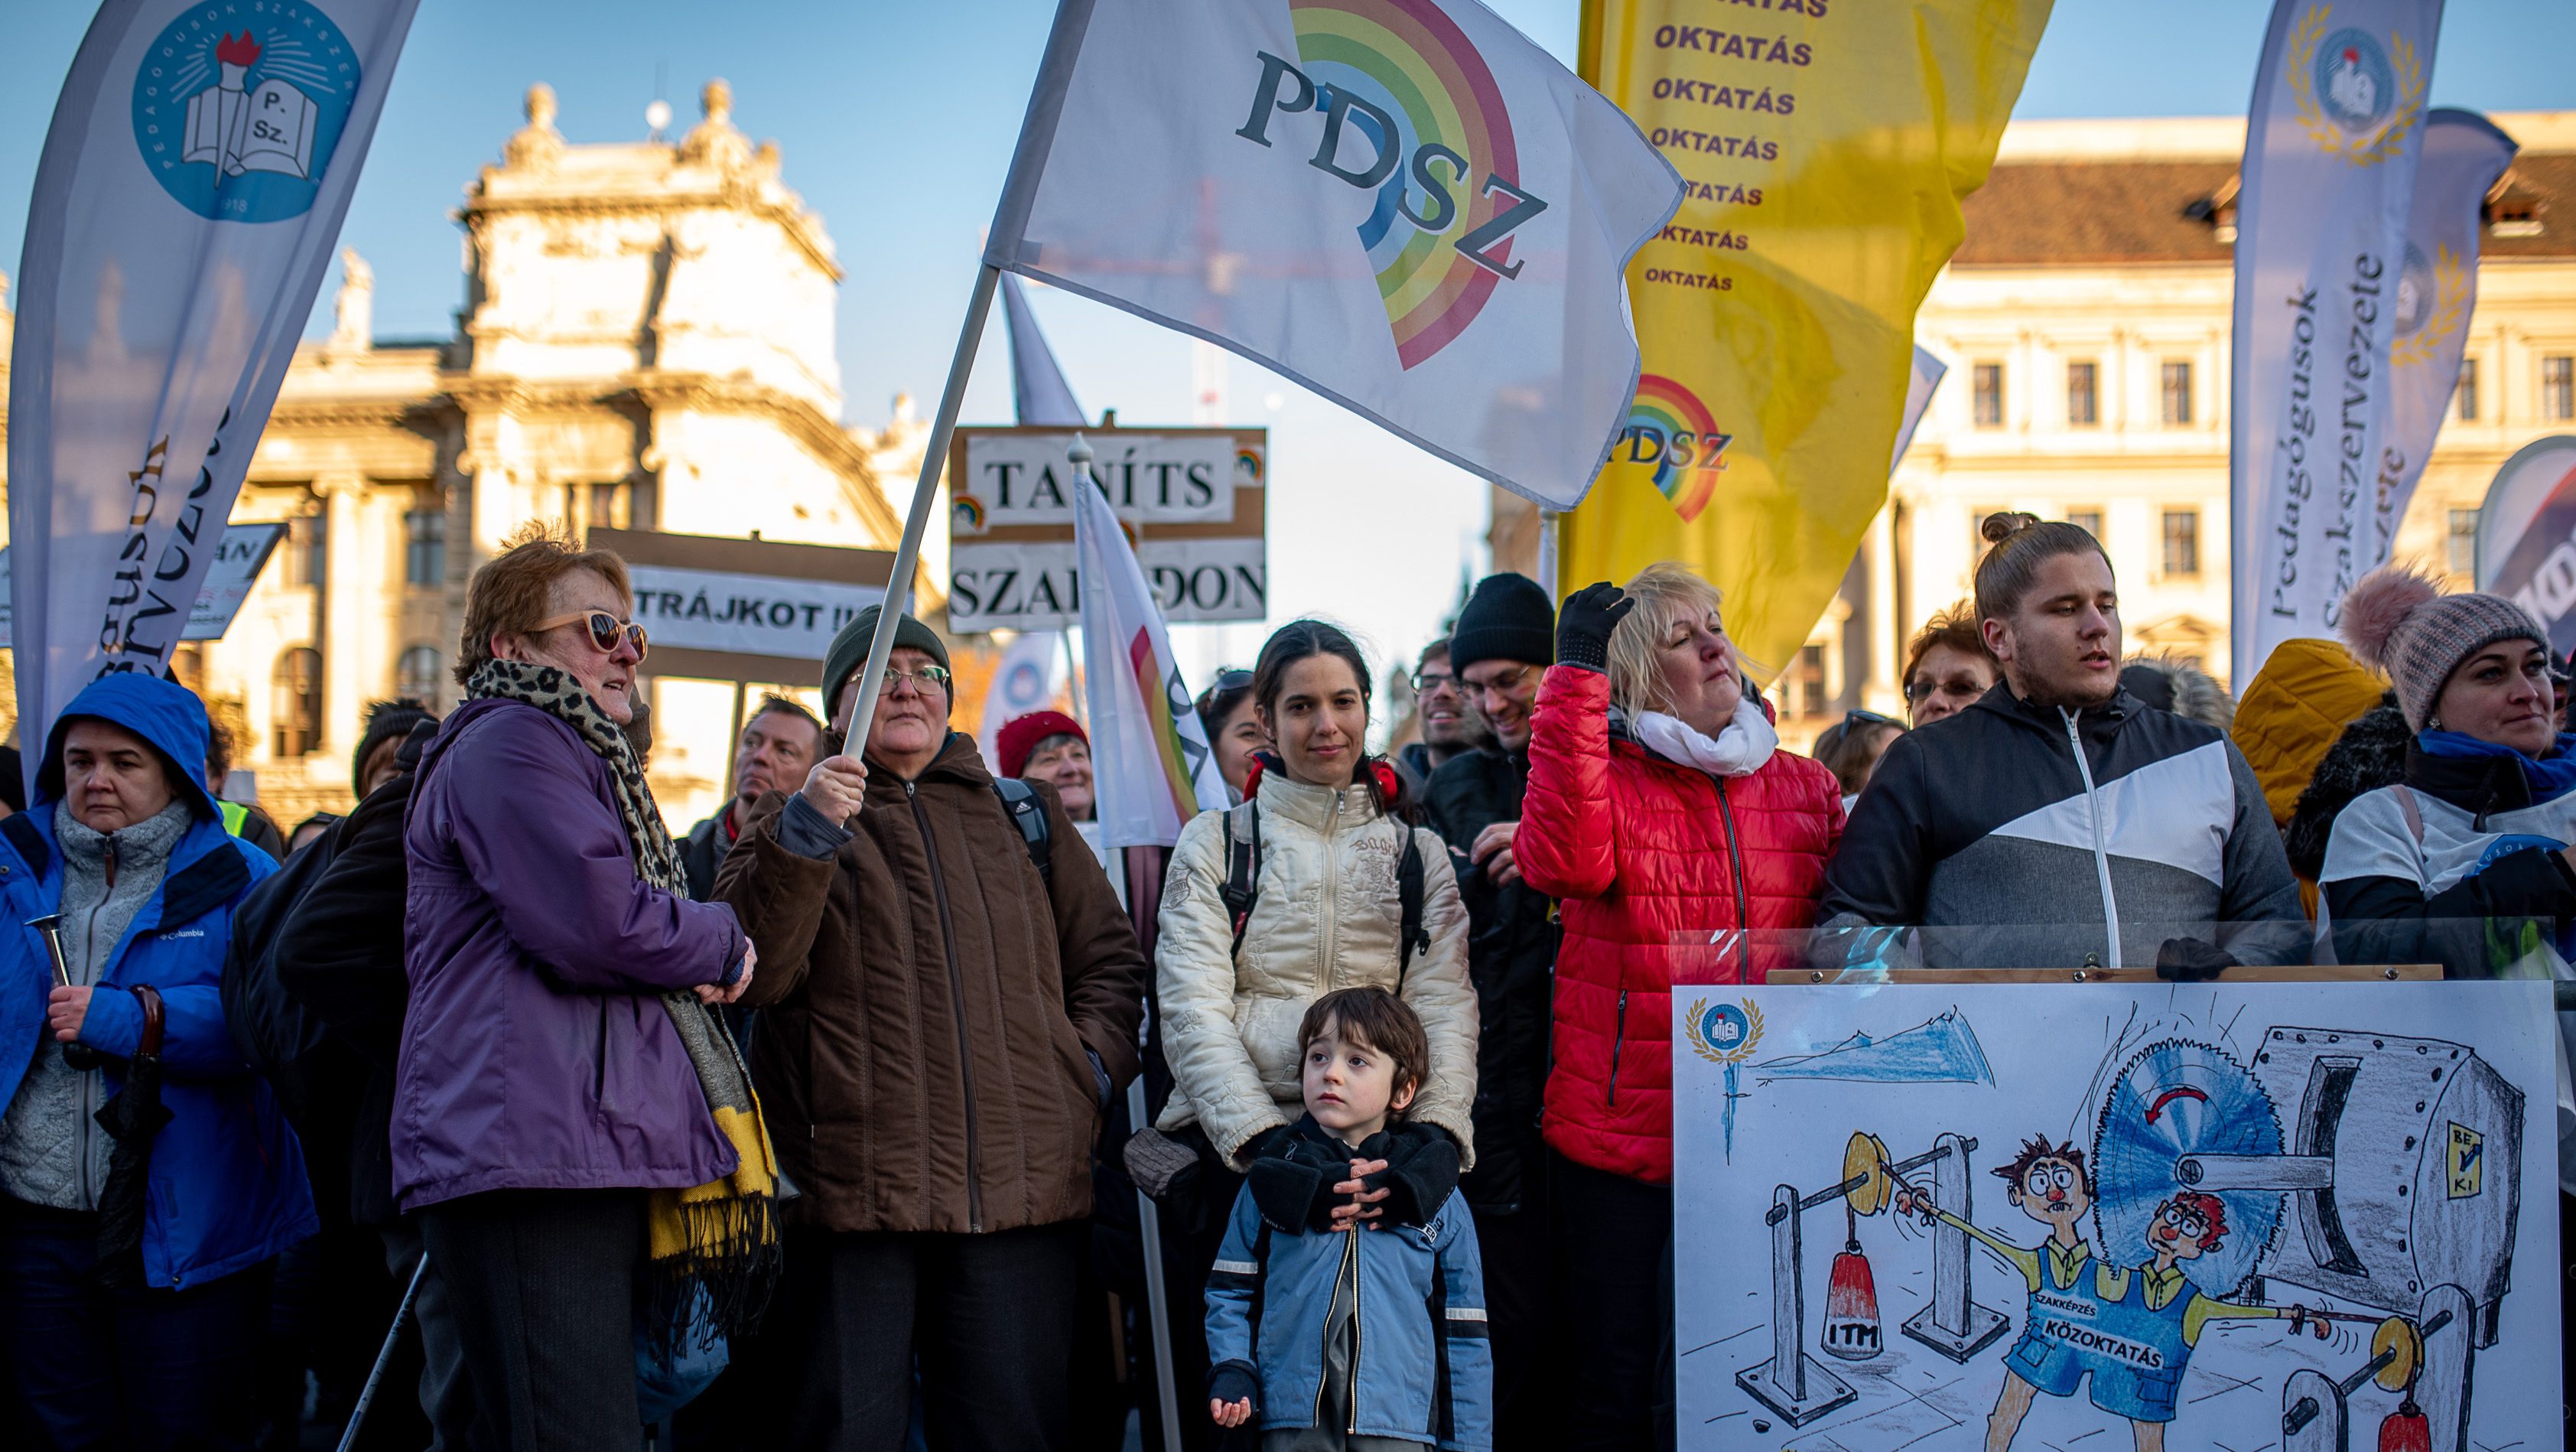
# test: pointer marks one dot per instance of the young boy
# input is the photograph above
(1346, 1312)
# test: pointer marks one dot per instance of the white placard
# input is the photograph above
(1150, 478)
(2377, 1151)
(1034, 586)
(770, 615)
(243, 552)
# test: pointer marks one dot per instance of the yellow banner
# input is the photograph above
(1826, 145)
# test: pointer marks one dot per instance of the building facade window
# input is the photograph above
(2460, 545)
(1806, 691)
(417, 675)
(295, 703)
(2177, 392)
(308, 549)
(2182, 542)
(2466, 395)
(1989, 402)
(425, 548)
(2558, 387)
(2083, 394)
(2087, 519)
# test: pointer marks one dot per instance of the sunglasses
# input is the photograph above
(1870, 718)
(1230, 679)
(605, 630)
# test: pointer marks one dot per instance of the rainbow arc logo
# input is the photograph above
(1411, 112)
(1671, 432)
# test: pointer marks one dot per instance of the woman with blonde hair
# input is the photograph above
(1659, 806)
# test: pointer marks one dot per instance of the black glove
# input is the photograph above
(1584, 623)
(1233, 1381)
(1421, 1173)
(2189, 960)
(1291, 1195)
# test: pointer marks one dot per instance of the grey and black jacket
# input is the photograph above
(1990, 829)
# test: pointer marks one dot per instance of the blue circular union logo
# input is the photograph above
(2354, 85)
(239, 104)
(1724, 1027)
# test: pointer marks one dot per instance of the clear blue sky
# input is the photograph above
(896, 119)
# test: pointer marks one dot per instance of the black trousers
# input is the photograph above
(1614, 1250)
(1520, 1305)
(986, 1318)
(542, 1287)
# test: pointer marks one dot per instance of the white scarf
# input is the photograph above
(1739, 750)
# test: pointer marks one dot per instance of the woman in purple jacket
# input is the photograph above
(569, 1116)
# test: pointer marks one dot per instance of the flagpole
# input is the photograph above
(907, 555)
(1547, 519)
(1002, 240)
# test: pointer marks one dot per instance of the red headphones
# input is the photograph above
(1390, 787)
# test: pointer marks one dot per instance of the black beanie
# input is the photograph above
(393, 719)
(1507, 618)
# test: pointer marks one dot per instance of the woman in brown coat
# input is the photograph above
(942, 1026)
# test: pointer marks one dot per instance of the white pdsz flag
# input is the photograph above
(1402, 204)
(1150, 764)
(2437, 290)
(190, 191)
(2331, 145)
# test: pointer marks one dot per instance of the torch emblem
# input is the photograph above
(239, 124)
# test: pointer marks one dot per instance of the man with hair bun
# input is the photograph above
(2056, 821)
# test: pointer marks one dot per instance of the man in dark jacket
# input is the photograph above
(340, 954)
(778, 747)
(1505, 641)
(942, 1025)
(2057, 822)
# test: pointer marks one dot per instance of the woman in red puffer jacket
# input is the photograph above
(1659, 806)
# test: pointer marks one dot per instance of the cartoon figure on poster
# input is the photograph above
(2254, 1232)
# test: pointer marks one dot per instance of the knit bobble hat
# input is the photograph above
(385, 719)
(2400, 622)
(1507, 618)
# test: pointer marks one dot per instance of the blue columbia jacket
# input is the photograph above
(228, 1186)
(1423, 1367)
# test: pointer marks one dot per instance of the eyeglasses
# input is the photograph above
(605, 629)
(1502, 685)
(925, 680)
(1425, 682)
(1870, 718)
(1919, 690)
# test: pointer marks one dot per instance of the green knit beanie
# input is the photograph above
(850, 651)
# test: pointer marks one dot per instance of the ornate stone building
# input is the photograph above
(2085, 323)
(646, 341)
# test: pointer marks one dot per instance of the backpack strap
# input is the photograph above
(1242, 869)
(1029, 815)
(1408, 898)
(2414, 813)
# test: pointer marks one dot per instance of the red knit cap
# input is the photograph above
(1019, 738)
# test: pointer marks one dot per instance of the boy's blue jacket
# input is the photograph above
(1423, 1370)
(228, 1187)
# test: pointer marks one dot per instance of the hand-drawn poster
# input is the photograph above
(2085, 1218)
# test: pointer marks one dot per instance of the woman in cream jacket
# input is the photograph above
(1326, 916)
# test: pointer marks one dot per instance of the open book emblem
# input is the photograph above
(267, 127)
(238, 124)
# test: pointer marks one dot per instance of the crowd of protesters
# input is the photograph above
(812, 1128)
